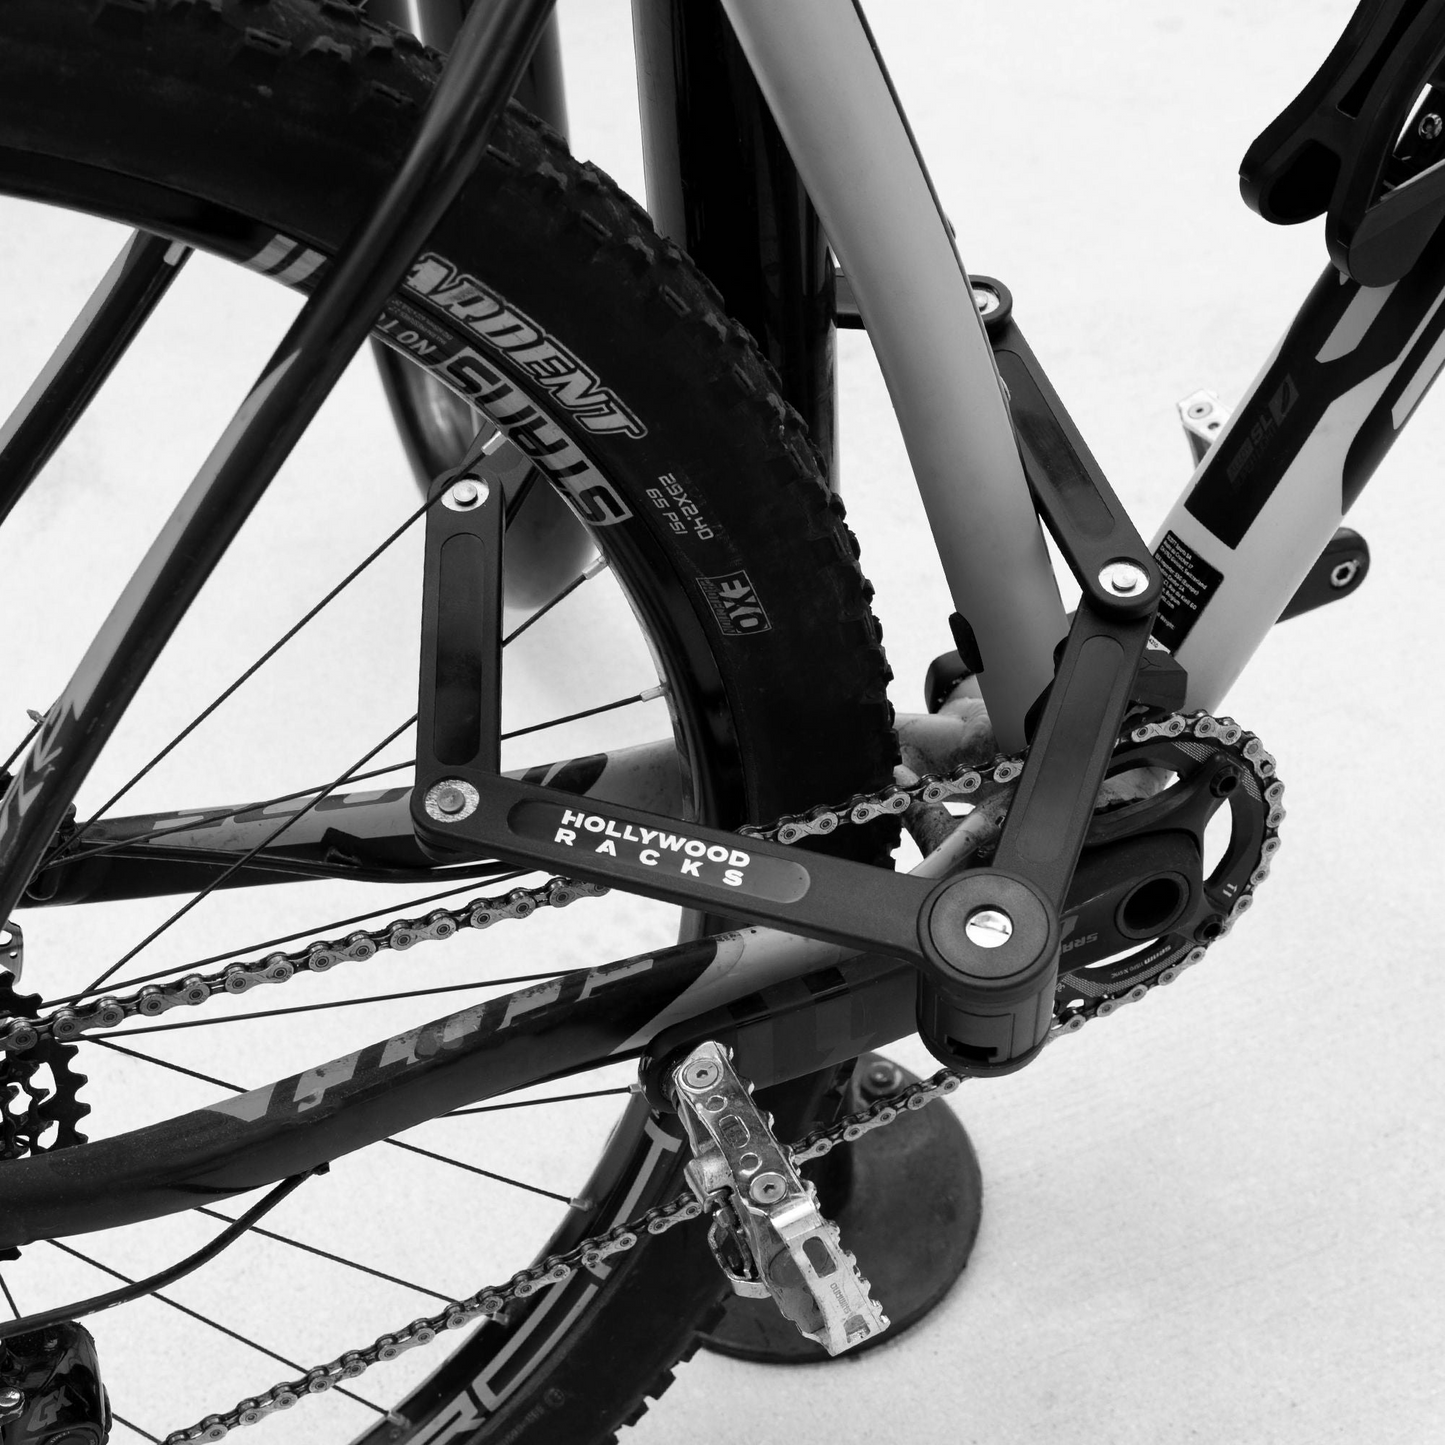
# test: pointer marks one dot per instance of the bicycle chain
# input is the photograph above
(491, 1302)
(68, 1024)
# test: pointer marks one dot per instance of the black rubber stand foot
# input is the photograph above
(906, 1200)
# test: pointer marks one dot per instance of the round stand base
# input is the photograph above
(907, 1206)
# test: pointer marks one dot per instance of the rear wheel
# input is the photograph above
(258, 130)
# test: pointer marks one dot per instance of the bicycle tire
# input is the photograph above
(258, 130)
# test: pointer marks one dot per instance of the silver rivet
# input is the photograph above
(1123, 579)
(1431, 125)
(451, 800)
(701, 1074)
(988, 928)
(1200, 409)
(467, 494)
(1343, 573)
(768, 1188)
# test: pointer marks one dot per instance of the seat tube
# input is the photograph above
(831, 97)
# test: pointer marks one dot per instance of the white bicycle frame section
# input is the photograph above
(825, 82)
(826, 86)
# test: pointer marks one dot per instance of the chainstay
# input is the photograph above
(492, 1301)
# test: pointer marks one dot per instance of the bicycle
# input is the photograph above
(762, 814)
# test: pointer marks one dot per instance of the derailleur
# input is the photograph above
(767, 1232)
(50, 1389)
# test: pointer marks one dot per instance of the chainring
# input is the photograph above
(1207, 777)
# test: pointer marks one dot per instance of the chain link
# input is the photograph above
(106, 1012)
(492, 1301)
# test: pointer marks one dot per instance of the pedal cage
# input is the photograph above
(767, 1232)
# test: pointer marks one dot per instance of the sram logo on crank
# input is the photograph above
(652, 851)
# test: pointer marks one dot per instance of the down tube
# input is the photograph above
(825, 83)
(1270, 492)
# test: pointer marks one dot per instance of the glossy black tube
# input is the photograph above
(490, 55)
(105, 328)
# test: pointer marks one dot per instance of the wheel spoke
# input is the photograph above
(292, 937)
(395, 1143)
(646, 695)
(132, 1426)
(519, 497)
(191, 823)
(165, 1299)
(166, 1064)
(260, 662)
(475, 1169)
(9, 1298)
(240, 862)
(306, 1008)
(36, 718)
(532, 1103)
(586, 576)
(326, 1254)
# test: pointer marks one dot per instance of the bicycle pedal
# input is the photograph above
(767, 1232)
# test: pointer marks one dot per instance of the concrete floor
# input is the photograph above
(1218, 1215)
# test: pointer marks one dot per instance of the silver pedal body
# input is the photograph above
(767, 1232)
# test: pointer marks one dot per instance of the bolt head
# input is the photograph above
(986, 300)
(1224, 782)
(881, 1078)
(1124, 579)
(467, 494)
(701, 1074)
(10, 1400)
(1431, 125)
(768, 1188)
(988, 928)
(451, 800)
(1343, 573)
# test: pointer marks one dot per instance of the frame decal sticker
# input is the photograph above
(1231, 493)
(1189, 584)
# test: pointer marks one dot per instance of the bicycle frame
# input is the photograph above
(1325, 408)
